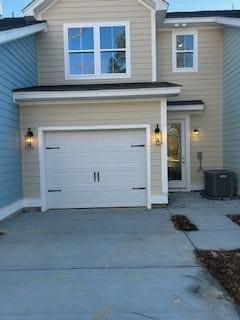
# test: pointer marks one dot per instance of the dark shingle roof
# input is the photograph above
(205, 14)
(14, 23)
(107, 86)
(185, 103)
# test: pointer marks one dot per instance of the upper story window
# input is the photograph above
(185, 51)
(97, 51)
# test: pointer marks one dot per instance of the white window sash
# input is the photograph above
(97, 51)
(175, 50)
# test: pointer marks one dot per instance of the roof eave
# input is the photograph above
(17, 33)
(194, 108)
(235, 22)
(157, 5)
(20, 97)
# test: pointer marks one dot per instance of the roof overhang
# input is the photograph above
(195, 21)
(34, 96)
(14, 34)
(196, 106)
(35, 7)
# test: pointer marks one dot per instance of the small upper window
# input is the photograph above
(97, 51)
(185, 54)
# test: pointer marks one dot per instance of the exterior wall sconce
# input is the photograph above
(29, 139)
(158, 136)
(195, 132)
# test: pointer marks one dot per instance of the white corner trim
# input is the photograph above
(31, 203)
(175, 33)
(43, 130)
(188, 108)
(95, 94)
(159, 198)
(164, 148)
(10, 209)
(154, 45)
(14, 34)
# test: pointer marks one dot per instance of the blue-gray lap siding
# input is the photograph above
(18, 68)
(231, 114)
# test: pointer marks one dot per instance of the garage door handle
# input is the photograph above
(98, 177)
(94, 176)
(139, 188)
(54, 191)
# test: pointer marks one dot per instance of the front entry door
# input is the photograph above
(177, 154)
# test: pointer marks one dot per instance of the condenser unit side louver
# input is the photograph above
(219, 183)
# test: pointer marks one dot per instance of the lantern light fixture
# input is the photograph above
(158, 136)
(29, 139)
(195, 132)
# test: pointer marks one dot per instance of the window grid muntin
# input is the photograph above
(97, 51)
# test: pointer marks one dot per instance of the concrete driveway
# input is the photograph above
(122, 264)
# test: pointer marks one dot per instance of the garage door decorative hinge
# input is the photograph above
(138, 145)
(53, 148)
(139, 188)
(54, 191)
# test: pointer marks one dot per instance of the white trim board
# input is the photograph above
(234, 22)
(164, 146)
(14, 34)
(10, 209)
(29, 10)
(159, 198)
(199, 108)
(154, 45)
(94, 94)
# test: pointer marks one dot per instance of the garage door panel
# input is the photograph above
(127, 158)
(71, 160)
(77, 181)
(70, 200)
(121, 198)
(119, 156)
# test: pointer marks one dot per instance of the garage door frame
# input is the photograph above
(42, 162)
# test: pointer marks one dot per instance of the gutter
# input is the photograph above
(18, 33)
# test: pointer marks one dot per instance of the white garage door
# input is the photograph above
(96, 169)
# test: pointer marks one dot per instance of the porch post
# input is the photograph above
(164, 149)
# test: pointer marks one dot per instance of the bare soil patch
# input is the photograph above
(182, 223)
(225, 267)
(235, 218)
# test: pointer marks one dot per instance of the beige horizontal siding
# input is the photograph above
(51, 43)
(205, 85)
(85, 114)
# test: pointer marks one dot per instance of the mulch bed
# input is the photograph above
(183, 223)
(235, 218)
(225, 267)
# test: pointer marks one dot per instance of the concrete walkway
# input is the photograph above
(123, 264)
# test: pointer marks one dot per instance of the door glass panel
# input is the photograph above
(174, 151)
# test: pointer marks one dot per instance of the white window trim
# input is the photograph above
(97, 57)
(174, 50)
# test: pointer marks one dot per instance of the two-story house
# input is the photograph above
(128, 106)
